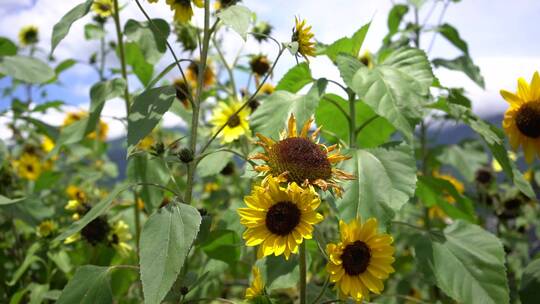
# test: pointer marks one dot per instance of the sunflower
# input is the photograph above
(361, 261)
(267, 89)
(182, 90)
(497, 167)
(436, 211)
(236, 125)
(219, 4)
(261, 31)
(29, 166)
(183, 10)
(47, 144)
(46, 228)
(260, 65)
(302, 35)
(192, 74)
(103, 8)
(257, 285)
(29, 35)
(102, 127)
(278, 219)
(301, 159)
(75, 193)
(119, 236)
(522, 119)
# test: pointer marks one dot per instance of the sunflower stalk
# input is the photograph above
(352, 120)
(303, 272)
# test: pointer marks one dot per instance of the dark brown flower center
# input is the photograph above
(31, 36)
(282, 218)
(184, 2)
(181, 90)
(528, 119)
(96, 231)
(302, 158)
(234, 121)
(355, 258)
(260, 65)
(30, 168)
(104, 7)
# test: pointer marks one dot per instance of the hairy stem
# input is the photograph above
(303, 273)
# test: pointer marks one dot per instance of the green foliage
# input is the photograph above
(26, 69)
(350, 46)
(238, 17)
(7, 47)
(61, 29)
(90, 284)
(295, 79)
(451, 34)
(465, 65)
(165, 242)
(530, 283)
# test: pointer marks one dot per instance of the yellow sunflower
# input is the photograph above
(183, 10)
(257, 285)
(522, 119)
(278, 219)
(192, 74)
(102, 127)
(236, 124)
(29, 166)
(438, 212)
(267, 89)
(47, 144)
(76, 193)
(119, 237)
(46, 228)
(300, 158)
(361, 261)
(302, 35)
(28, 35)
(103, 8)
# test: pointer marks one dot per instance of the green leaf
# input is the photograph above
(529, 291)
(213, 163)
(26, 69)
(395, 17)
(271, 117)
(7, 47)
(61, 29)
(467, 159)
(29, 259)
(385, 181)
(223, 245)
(348, 66)
(135, 58)
(278, 272)
(8, 201)
(350, 46)
(238, 17)
(165, 241)
(465, 65)
(147, 110)
(147, 169)
(37, 292)
(91, 215)
(467, 263)
(89, 285)
(396, 88)
(451, 34)
(295, 78)
(64, 65)
(150, 38)
(93, 31)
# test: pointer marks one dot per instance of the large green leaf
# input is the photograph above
(165, 241)
(385, 181)
(93, 31)
(375, 133)
(350, 46)
(145, 169)
(466, 158)
(348, 66)
(529, 292)
(464, 64)
(27, 69)
(467, 263)
(223, 245)
(141, 68)
(394, 19)
(295, 78)
(61, 29)
(91, 215)
(7, 47)
(89, 285)
(150, 37)
(451, 34)
(278, 272)
(396, 88)
(147, 110)
(238, 17)
(213, 163)
(8, 201)
(271, 117)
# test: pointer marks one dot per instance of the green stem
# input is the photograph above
(227, 67)
(366, 123)
(102, 56)
(323, 289)
(352, 120)
(137, 214)
(303, 273)
(120, 38)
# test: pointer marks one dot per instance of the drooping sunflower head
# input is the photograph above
(219, 4)
(299, 158)
(303, 36)
(96, 231)
(29, 166)
(267, 89)
(119, 236)
(103, 8)
(260, 65)
(182, 90)
(361, 261)
(192, 74)
(182, 9)
(521, 121)
(257, 285)
(236, 124)
(278, 218)
(29, 35)
(261, 31)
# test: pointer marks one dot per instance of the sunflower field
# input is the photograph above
(298, 186)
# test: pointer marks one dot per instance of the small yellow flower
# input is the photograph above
(72, 238)
(361, 261)
(29, 35)
(300, 158)
(29, 166)
(48, 144)
(102, 127)
(119, 237)
(192, 74)
(521, 121)
(182, 9)
(72, 205)
(75, 193)
(211, 187)
(267, 89)
(438, 212)
(146, 143)
(75, 217)
(278, 219)
(236, 125)
(46, 228)
(257, 285)
(219, 4)
(497, 166)
(303, 36)
(140, 203)
(367, 59)
(103, 8)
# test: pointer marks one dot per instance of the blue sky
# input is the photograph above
(501, 35)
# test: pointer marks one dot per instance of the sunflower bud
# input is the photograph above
(260, 65)
(261, 31)
(186, 34)
(157, 149)
(484, 176)
(96, 231)
(186, 155)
